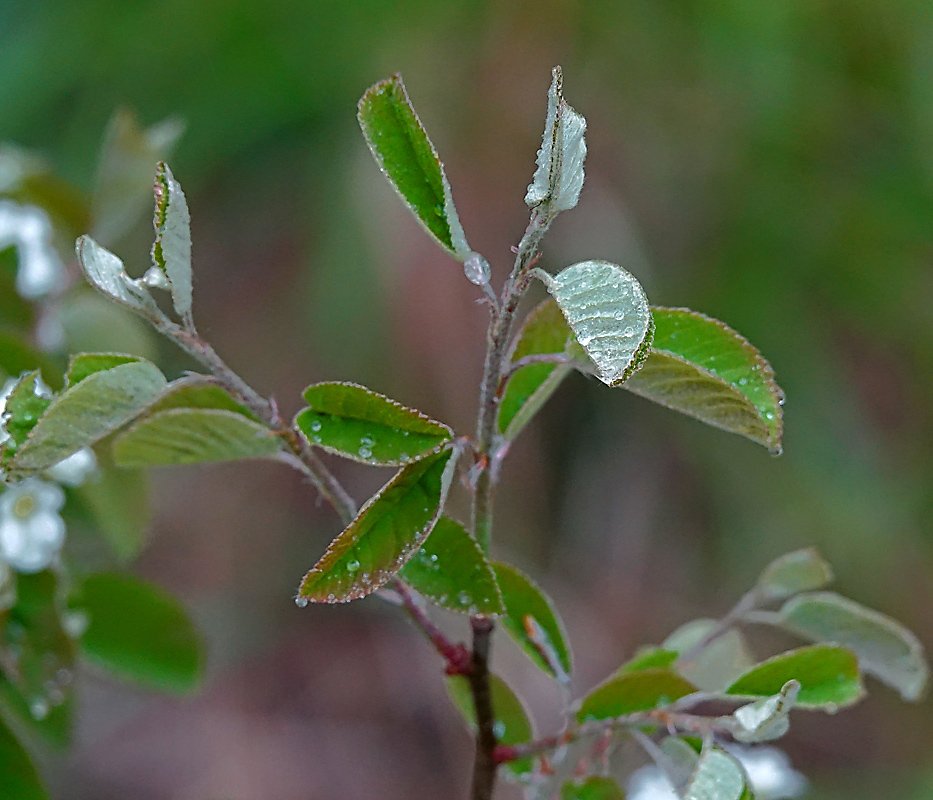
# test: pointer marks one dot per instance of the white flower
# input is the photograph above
(31, 531)
(74, 470)
(28, 229)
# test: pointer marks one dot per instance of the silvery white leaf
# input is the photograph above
(172, 249)
(105, 273)
(765, 719)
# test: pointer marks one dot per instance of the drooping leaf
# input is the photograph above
(513, 724)
(718, 776)
(19, 779)
(828, 675)
(608, 312)
(386, 533)
(544, 331)
(196, 391)
(649, 658)
(358, 423)
(24, 407)
(140, 633)
(105, 272)
(85, 364)
(193, 436)
(85, 413)
(767, 719)
(532, 621)
(701, 367)
(451, 570)
(124, 175)
(559, 177)
(171, 252)
(884, 647)
(634, 691)
(594, 787)
(800, 571)
(409, 161)
(718, 664)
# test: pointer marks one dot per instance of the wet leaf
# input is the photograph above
(105, 272)
(171, 253)
(701, 367)
(451, 570)
(84, 364)
(593, 788)
(24, 407)
(19, 779)
(386, 533)
(630, 692)
(800, 571)
(608, 312)
(140, 633)
(358, 423)
(532, 621)
(409, 161)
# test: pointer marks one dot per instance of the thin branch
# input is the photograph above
(539, 358)
(457, 656)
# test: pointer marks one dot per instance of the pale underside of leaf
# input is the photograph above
(718, 776)
(172, 249)
(105, 272)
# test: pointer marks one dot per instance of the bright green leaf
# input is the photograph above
(409, 161)
(85, 364)
(828, 675)
(544, 331)
(718, 664)
(193, 436)
(631, 692)
(718, 776)
(357, 423)
(608, 312)
(513, 724)
(140, 633)
(171, 253)
(593, 788)
(451, 570)
(649, 658)
(85, 413)
(19, 779)
(885, 648)
(701, 367)
(387, 532)
(24, 407)
(532, 621)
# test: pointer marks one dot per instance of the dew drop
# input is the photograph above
(434, 557)
(499, 729)
(39, 708)
(464, 598)
(365, 452)
(442, 598)
(301, 602)
(331, 598)
(316, 425)
(353, 565)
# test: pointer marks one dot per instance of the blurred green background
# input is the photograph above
(770, 164)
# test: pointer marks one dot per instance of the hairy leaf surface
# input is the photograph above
(718, 776)
(105, 272)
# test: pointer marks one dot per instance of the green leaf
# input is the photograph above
(198, 392)
(19, 779)
(409, 161)
(593, 788)
(118, 502)
(193, 436)
(718, 664)
(357, 423)
(24, 407)
(884, 647)
(631, 692)
(85, 413)
(171, 253)
(513, 724)
(85, 364)
(649, 658)
(828, 675)
(124, 176)
(800, 571)
(105, 272)
(385, 534)
(451, 570)
(140, 633)
(532, 621)
(767, 719)
(544, 331)
(17, 357)
(608, 312)
(718, 776)
(701, 367)
(559, 177)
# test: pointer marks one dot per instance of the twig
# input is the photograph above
(457, 656)
(539, 358)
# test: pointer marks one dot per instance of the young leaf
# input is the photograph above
(84, 364)
(357, 423)
(718, 776)
(24, 407)
(140, 633)
(649, 658)
(18, 776)
(595, 787)
(88, 411)
(609, 314)
(885, 648)
(559, 177)
(800, 571)
(701, 367)
(828, 676)
(513, 724)
(193, 436)
(409, 161)
(171, 252)
(767, 719)
(718, 664)
(544, 331)
(531, 620)
(124, 177)
(451, 570)
(197, 391)
(629, 692)
(105, 272)
(385, 534)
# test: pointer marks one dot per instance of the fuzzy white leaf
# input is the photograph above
(105, 273)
